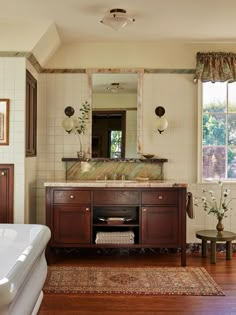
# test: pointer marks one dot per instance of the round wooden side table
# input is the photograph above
(213, 236)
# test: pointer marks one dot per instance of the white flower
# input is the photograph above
(210, 203)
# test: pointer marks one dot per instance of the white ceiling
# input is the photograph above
(79, 20)
(155, 20)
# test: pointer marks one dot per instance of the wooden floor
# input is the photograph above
(223, 272)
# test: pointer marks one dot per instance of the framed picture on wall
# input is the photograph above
(4, 121)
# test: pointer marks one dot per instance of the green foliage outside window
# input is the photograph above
(219, 140)
(115, 145)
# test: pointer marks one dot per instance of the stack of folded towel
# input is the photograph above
(115, 237)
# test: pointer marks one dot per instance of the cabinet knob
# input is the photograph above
(144, 209)
(87, 209)
(3, 173)
(160, 197)
(72, 197)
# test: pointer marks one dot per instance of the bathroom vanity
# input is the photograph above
(126, 214)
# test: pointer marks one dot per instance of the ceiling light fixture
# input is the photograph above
(114, 87)
(117, 19)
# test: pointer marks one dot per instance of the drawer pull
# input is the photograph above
(3, 173)
(72, 197)
(160, 197)
(87, 209)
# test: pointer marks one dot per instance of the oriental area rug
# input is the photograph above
(133, 281)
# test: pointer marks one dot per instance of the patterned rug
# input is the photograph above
(126, 280)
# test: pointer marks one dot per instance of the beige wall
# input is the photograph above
(164, 54)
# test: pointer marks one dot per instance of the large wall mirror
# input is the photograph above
(116, 102)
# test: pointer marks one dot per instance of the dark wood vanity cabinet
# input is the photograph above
(156, 216)
(160, 216)
(69, 216)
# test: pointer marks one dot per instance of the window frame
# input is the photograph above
(200, 178)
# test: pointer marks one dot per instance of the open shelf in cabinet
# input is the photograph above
(101, 222)
(129, 214)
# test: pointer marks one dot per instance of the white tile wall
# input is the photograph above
(12, 86)
(56, 92)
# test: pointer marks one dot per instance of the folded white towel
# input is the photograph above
(120, 234)
(113, 241)
(115, 237)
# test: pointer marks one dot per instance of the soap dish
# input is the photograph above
(148, 156)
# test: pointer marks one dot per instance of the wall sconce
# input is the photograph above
(68, 123)
(162, 123)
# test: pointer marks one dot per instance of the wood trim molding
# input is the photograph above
(34, 62)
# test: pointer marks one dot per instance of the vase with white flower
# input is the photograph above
(218, 208)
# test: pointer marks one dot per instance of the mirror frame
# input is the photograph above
(140, 73)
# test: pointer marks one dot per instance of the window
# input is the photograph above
(115, 139)
(218, 131)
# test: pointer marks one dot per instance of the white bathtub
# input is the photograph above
(23, 267)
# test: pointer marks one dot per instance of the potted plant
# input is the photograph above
(80, 125)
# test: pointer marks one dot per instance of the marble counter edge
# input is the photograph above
(91, 183)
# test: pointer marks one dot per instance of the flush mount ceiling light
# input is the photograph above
(117, 19)
(114, 87)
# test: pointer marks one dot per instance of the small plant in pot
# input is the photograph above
(80, 125)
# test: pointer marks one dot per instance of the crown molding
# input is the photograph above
(34, 62)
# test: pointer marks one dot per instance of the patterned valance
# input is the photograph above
(215, 67)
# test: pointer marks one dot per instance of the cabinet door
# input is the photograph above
(6, 192)
(160, 226)
(72, 225)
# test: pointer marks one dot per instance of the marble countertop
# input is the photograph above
(115, 183)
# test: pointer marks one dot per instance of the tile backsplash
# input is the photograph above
(101, 169)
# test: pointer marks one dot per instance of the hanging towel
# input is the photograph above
(189, 205)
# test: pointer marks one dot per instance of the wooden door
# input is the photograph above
(6, 192)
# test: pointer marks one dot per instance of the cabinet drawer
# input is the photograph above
(71, 196)
(160, 197)
(116, 197)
